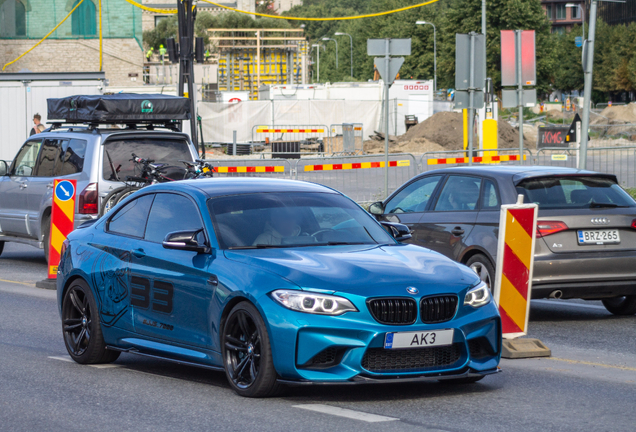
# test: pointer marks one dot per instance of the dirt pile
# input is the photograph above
(416, 146)
(445, 129)
(617, 114)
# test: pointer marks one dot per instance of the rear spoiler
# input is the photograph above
(529, 175)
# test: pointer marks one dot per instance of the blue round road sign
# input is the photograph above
(64, 190)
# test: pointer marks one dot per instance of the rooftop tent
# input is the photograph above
(119, 108)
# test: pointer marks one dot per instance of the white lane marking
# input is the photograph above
(96, 366)
(62, 358)
(562, 303)
(347, 413)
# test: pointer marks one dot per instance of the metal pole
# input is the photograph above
(519, 92)
(386, 117)
(587, 92)
(351, 54)
(471, 104)
(336, 42)
(434, 59)
(234, 143)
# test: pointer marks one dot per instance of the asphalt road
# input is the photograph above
(588, 385)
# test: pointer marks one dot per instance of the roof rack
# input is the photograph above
(130, 109)
(174, 126)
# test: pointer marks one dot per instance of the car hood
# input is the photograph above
(362, 270)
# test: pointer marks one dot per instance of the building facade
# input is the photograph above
(563, 15)
(617, 13)
(74, 46)
(150, 19)
(284, 5)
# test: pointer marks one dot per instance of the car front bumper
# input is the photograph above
(298, 339)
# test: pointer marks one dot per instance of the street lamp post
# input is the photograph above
(350, 45)
(317, 46)
(434, 52)
(573, 5)
(336, 42)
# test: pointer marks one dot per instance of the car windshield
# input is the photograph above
(284, 220)
(119, 153)
(574, 192)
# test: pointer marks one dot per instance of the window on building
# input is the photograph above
(13, 18)
(560, 11)
(159, 18)
(548, 11)
(575, 12)
(84, 19)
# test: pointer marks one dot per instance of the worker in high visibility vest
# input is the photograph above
(149, 54)
(162, 53)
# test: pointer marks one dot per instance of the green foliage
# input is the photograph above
(632, 192)
(167, 28)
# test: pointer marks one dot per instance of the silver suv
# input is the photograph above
(94, 157)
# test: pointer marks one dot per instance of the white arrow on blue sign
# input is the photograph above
(64, 190)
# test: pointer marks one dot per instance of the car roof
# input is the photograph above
(516, 172)
(221, 186)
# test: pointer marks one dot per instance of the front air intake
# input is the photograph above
(396, 311)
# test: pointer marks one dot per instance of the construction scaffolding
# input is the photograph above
(249, 58)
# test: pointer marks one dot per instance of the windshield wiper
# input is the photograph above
(259, 246)
(338, 243)
(604, 205)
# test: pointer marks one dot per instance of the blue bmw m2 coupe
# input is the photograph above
(274, 281)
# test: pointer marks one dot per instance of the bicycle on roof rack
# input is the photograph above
(153, 173)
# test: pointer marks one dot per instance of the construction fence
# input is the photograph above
(362, 177)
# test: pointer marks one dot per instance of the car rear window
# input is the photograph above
(574, 192)
(168, 151)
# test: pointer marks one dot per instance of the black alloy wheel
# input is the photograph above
(81, 328)
(247, 353)
(77, 322)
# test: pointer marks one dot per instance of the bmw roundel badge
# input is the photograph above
(412, 290)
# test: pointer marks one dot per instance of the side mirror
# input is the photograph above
(185, 240)
(399, 231)
(377, 208)
(4, 168)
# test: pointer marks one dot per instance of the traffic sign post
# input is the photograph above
(470, 77)
(62, 220)
(518, 68)
(388, 67)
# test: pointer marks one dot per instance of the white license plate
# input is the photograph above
(420, 339)
(598, 237)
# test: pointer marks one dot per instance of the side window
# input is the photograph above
(490, 196)
(459, 194)
(49, 154)
(131, 219)
(414, 197)
(24, 162)
(71, 159)
(170, 213)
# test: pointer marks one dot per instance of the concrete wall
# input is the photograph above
(121, 57)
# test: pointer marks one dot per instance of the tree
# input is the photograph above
(568, 70)
(266, 7)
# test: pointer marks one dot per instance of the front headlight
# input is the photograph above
(322, 304)
(478, 296)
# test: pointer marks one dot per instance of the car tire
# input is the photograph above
(110, 200)
(46, 237)
(621, 305)
(81, 326)
(1, 247)
(481, 265)
(247, 353)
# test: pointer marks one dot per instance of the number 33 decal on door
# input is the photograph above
(142, 294)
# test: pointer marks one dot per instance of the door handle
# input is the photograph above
(139, 253)
(457, 231)
(23, 185)
(49, 186)
(213, 280)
